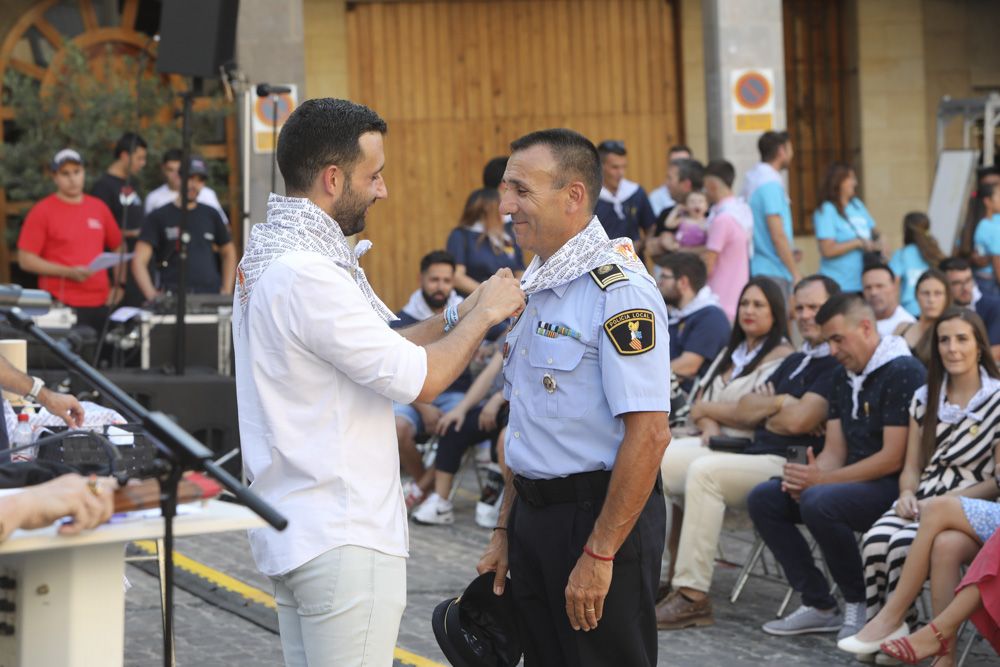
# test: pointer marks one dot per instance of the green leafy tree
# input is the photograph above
(88, 111)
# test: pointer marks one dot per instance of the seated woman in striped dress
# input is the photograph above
(953, 464)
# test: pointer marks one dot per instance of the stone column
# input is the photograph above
(741, 35)
(270, 47)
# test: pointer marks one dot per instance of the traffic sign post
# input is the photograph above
(752, 93)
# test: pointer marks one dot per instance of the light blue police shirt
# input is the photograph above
(567, 395)
(830, 224)
(987, 242)
(769, 199)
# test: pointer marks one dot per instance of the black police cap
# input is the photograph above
(478, 629)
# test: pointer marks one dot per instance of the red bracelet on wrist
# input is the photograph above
(590, 552)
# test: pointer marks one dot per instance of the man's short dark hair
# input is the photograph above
(172, 155)
(323, 132)
(878, 266)
(831, 286)
(436, 257)
(685, 264)
(845, 303)
(769, 143)
(722, 170)
(679, 148)
(611, 147)
(575, 156)
(493, 172)
(690, 170)
(128, 143)
(955, 264)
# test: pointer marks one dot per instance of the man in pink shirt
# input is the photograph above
(727, 251)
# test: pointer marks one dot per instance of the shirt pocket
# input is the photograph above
(556, 386)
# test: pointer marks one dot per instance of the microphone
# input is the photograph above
(35, 301)
(265, 89)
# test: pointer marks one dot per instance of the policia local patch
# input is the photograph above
(632, 331)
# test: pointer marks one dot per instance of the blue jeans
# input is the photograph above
(444, 402)
(833, 513)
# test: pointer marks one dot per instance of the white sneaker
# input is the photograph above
(488, 514)
(435, 511)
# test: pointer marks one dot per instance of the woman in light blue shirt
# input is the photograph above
(844, 229)
(920, 252)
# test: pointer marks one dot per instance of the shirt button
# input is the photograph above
(549, 360)
(534, 311)
(517, 434)
(524, 352)
(517, 393)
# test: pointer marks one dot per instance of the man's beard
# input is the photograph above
(349, 211)
(435, 299)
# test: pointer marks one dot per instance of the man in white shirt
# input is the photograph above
(317, 369)
(878, 282)
(167, 193)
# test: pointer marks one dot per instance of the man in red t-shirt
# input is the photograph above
(62, 234)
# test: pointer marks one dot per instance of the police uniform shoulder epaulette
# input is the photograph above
(607, 275)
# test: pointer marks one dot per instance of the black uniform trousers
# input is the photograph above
(544, 544)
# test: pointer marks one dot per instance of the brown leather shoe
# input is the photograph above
(662, 591)
(677, 612)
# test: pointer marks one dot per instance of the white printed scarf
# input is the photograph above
(818, 352)
(296, 224)
(949, 413)
(890, 347)
(703, 299)
(584, 252)
(626, 189)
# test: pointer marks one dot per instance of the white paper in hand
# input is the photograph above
(108, 259)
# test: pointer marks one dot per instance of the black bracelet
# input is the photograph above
(503, 528)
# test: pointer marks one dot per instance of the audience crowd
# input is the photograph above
(873, 422)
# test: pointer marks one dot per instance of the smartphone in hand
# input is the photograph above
(797, 454)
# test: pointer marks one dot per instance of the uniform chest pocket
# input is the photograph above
(559, 383)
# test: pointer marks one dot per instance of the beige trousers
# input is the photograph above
(705, 483)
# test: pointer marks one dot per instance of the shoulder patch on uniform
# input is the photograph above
(632, 331)
(609, 274)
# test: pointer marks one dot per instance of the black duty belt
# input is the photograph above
(571, 489)
(574, 488)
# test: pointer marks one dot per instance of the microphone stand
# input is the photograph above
(178, 451)
(183, 235)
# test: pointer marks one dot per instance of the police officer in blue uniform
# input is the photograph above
(586, 371)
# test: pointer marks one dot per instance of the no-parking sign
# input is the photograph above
(267, 117)
(752, 93)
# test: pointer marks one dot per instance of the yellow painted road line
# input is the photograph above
(247, 591)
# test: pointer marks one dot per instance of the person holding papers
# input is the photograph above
(159, 240)
(62, 235)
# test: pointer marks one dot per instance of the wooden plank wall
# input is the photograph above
(816, 78)
(457, 81)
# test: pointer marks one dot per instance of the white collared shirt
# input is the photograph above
(317, 371)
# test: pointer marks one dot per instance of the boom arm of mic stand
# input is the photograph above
(180, 445)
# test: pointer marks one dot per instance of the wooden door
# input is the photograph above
(457, 81)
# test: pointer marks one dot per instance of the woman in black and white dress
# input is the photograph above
(956, 457)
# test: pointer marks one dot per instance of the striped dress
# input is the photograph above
(964, 457)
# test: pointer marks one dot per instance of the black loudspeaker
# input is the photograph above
(197, 36)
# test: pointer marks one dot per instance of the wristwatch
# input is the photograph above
(36, 388)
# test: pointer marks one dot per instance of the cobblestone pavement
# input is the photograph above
(442, 562)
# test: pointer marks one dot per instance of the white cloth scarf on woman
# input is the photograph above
(584, 252)
(626, 189)
(889, 348)
(703, 299)
(295, 224)
(742, 357)
(818, 352)
(499, 244)
(949, 413)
